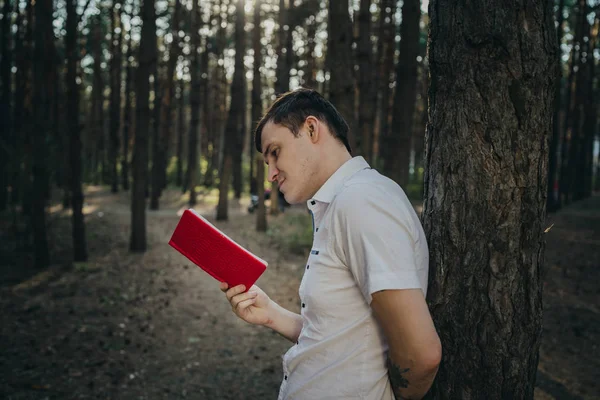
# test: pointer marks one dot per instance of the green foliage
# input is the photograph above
(293, 232)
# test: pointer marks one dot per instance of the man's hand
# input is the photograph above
(251, 306)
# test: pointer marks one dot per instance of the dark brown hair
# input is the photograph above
(291, 110)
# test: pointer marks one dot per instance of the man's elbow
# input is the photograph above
(430, 358)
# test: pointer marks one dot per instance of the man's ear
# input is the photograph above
(313, 126)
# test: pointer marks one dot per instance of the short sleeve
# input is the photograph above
(375, 239)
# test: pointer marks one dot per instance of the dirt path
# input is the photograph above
(153, 326)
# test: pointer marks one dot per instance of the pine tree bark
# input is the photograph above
(146, 57)
(236, 113)
(6, 135)
(97, 117)
(76, 191)
(42, 127)
(192, 165)
(116, 46)
(341, 64)
(396, 163)
(490, 115)
(257, 111)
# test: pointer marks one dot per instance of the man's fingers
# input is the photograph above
(242, 305)
(223, 286)
(236, 301)
(235, 290)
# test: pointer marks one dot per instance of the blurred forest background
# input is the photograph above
(116, 115)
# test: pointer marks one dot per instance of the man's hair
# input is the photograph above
(291, 110)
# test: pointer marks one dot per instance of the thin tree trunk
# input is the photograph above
(146, 59)
(236, 113)
(385, 51)
(42, 127)
(257, 111)
(97, 118)
(552, 196)
(159, 163)
(485, 192)
(6, 134)
(192, 165)
(341, 64)
(127, 126)
(180, 133)
(116, 46)
(366, 82)
(398, 158)
(310, 74)
(78, 230)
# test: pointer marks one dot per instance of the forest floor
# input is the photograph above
(153, 326)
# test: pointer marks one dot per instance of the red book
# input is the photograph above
(213, 251)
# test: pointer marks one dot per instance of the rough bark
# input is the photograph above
(192, 165)
(116, 47)
(490, 116)
(180, 132)
(142, 122)
(341, 64)
(257, 111)
(234, 127)
(367, 82)
(6, 135)
(127, 125)
(78, 228)
(397, 159)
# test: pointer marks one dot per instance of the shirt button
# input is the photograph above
(285, 377)
(317, 229)
(308, 266)
(303, 305)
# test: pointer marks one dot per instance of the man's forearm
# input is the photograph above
(288, 324)
(409, 382)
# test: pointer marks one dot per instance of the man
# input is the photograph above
(364, 330)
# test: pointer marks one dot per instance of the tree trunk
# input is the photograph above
(192, 165)
(97, 118)
(180, 132)
(234, 126)
(42, 126)
(341, 64)
(6, 135)
(78, 230)
(257, 111)
(310, 74)
(552, 196)
(22, 79)
(366, 82)
(127, 126)
(142, 121)
(159, 163)
(490, 114)
(115, 91)
(385, 51)
(399, 144)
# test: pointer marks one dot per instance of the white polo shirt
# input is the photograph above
(367, 238)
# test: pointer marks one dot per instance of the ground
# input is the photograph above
(154, 326)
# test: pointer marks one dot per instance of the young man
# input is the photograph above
(364, 330)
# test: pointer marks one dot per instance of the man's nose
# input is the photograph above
(273, 172)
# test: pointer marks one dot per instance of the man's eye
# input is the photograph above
(275, 153)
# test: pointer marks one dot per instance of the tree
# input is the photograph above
(116, 46)
(236, 113)
(5, 103)
(42, 87)
(192, 165)
(97, 111)
(127, 125)
(366, 82)
(180, 132)
(78, 230)
(490, 115)
(142, 123)
(397, 149)
(257, 110)
(341, 63)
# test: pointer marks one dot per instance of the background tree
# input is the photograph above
(490, 114)
(194, 103)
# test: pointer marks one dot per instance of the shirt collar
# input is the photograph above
(334, 184)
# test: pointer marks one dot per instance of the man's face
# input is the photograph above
(291, 160)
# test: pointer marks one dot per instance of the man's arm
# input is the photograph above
(415, 350)
(287, 323)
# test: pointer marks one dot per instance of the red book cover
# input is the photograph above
(213, 251)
